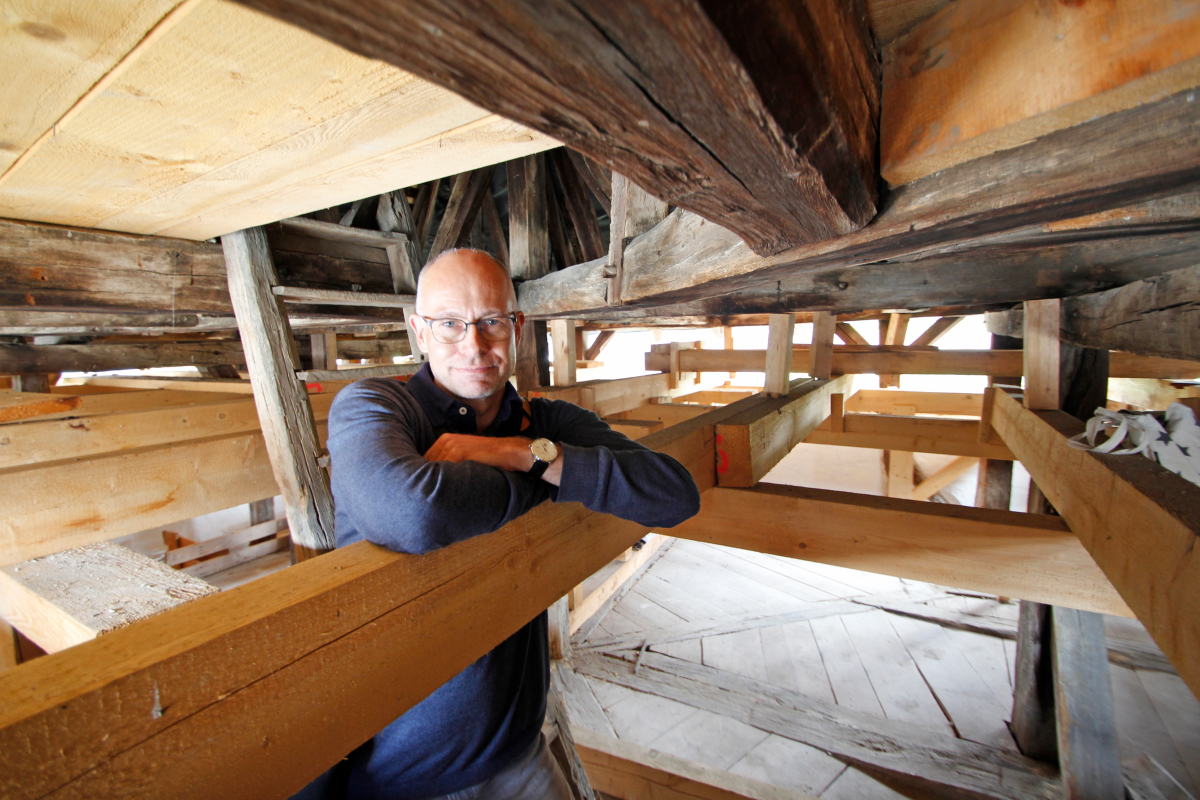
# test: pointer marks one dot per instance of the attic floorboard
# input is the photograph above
(940, 681)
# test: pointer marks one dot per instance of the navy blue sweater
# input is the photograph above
(387, 493)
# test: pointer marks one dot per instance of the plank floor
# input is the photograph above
(785, 624)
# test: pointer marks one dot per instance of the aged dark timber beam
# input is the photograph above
(761, 115)
(1148, 152)
(1159, 316)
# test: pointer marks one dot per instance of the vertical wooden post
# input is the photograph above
(580, 345)
(562, 332)
(993, 488)
(820, 355)
(892, 332)
(324, 350)
(1043, 322)
(1089, 754)
(728, 329)
(559, 619)
(262, 511)
(900, 463)
(284, 413)
(528, 237)
(404, 259)
(32, 382)
(837, 419)
(417, 354)
(528, 376)
(10, 648)
(781, 329)
(1033, 725)
(616, 238)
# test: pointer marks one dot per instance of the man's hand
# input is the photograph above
(510, 453)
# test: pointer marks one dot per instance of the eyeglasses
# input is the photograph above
(452, 331)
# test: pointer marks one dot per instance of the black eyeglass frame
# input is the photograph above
(467, 325)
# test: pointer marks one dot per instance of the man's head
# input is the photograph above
(471, 286)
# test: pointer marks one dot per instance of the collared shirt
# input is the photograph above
(445, 411)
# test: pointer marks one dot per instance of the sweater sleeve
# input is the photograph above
(609, 472)
(392, 496)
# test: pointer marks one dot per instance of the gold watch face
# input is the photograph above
(544, 450)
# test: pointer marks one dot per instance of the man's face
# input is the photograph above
(466, 286)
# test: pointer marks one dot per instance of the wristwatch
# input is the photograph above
(544, 452)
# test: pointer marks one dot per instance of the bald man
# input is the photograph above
(454, 453)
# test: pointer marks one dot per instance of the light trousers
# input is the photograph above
(534, 776)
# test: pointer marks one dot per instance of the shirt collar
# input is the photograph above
(444, 411)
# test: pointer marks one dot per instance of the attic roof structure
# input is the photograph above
(213, 215)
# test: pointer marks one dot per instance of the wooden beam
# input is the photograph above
(586, 608)
(288, 426)
(848, 334)
(302, 675)
(26, 405)
(879, 401)
(562, 334)
(466, 198)
(1138, 521)
(1151, 152)
(753, 442)
(1152, 317)
(778, 360)
(943, 477)
(71, 597)
(985, 550)
(628, 771)
(820, 357)
(936, 331)
(529, 242)
(1041, 368)
(1089, 753)
(951, 437)
(578, 205)
(615, 269)
(703, 98)
(855, 361)
(892, 333)
(1141, 55)
(598, 344)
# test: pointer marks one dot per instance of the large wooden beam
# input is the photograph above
(288, 425)
(985, 550)
(76, 595)
(1154, 317)
(762, 117)
(1138, 521)
(344, 638)
(951, 437)
(855, 360)
(529, 242)
(1138, 54)
(753, 442)
(1149, 152)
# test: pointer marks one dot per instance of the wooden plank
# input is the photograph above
(598, 344)
(943, 477)
(778, 360)
(26, 405)
(346, 374)
(892, 332)
(591, 604)
(917, 362)
(206, 547)
(936, 331)
(1153, 317)
(898, 464)
(332, 297)
(752, 443)
(65, 599)
(948, 545)
(293, 677)
(951, 437)
(529, 241)
(847, 333)
(1088, 749)
(878, 401)
(1041, 351)
(820, 356)
(202, 386)
(466, 198)
(629, 771)
(1144, 54)
(1033, 713)
(1046, 180)
(342, 233)
(703, 98)
(1136, 519)
(288, 427)
(562, 333)
(903, 752)
(617, 218)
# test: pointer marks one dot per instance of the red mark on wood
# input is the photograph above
(720, 438)
(313, 387)
(722, 461)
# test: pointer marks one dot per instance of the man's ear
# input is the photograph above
(418, 327)
(518, 328)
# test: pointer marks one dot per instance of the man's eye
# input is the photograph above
(490, 323)
(448, 324)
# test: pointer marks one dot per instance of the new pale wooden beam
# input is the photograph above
(1137, 520)
(951, 437)
(999, 552)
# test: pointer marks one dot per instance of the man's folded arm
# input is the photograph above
(398, 499)
(608, 472)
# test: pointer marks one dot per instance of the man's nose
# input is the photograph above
(474, 342)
